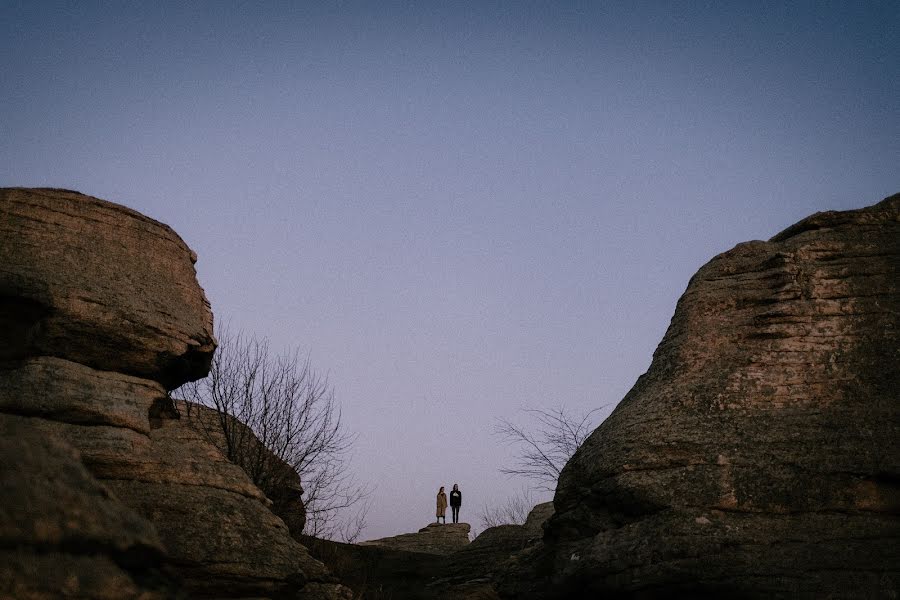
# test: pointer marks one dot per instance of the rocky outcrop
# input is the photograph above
(282, 482)
(435, 538)
(62, 534)
(383, 570)
(471, 571)
(379, 572)
(758, 456)
(102, 314)
(102, 285)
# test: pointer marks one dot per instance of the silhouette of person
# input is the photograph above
(441, 505)
(455, 502)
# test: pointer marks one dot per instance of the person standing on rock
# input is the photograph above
(441, 505)
(455, 502)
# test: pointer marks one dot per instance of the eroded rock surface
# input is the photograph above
(62, 534)
(435, 538)
(758, 456)
(100, 314)
(99, 284)
(284, 486)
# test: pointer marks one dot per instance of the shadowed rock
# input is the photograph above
(64, 534)
(758, 456)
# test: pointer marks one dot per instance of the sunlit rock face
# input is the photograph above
(102, 285)
(759, 456)
(101, 314)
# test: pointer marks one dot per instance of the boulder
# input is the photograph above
(99, 284)
(759, 456)
(62, 534)
(435, 538)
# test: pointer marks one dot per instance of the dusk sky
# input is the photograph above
(458, 210)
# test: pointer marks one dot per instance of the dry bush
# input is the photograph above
(513, 511)
(291, 410)
(546, 443)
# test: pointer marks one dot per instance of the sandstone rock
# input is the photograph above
(472, 570)
(216, 525)
(221, 540)
(534, 523)
(432, 539)
(99, 284)
(284, 487)
(380, 572)
(100, 313)
(66, 391)
(62, 534)
(758, 456)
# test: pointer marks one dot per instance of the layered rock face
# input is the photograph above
(434, 538)
(101, 315)
(758, 456)
(62, 534)
(102, 285)
(285, 490)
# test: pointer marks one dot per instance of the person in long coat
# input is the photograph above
(441, 505)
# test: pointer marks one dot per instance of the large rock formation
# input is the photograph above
(758, 456)
(101, 315)
(101, 285)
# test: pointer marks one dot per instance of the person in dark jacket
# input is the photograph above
(455, 502)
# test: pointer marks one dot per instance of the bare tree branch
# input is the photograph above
(291, 410)
(514, 511)
(546, 444)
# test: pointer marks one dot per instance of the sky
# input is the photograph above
(458, 210)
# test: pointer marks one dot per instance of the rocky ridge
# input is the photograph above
(758, 456)
(101, 316)
(434, 538)
(389, 568)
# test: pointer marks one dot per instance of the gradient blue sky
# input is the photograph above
(457, 209)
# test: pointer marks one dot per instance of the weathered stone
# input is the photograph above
(379, 571)
(466, 572)
(758, 456)
(284, 488)
(435, 538)
(99, 284)
(221, 539)
(62, 534)
(534, 523)
(65, 391)
(100, 313)
(472, 570)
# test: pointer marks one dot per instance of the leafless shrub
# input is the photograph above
(513, 511)
(546, 443)
(291, 410)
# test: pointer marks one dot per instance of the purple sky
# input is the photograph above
(458, 211)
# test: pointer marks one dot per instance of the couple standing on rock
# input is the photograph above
(455, 503)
